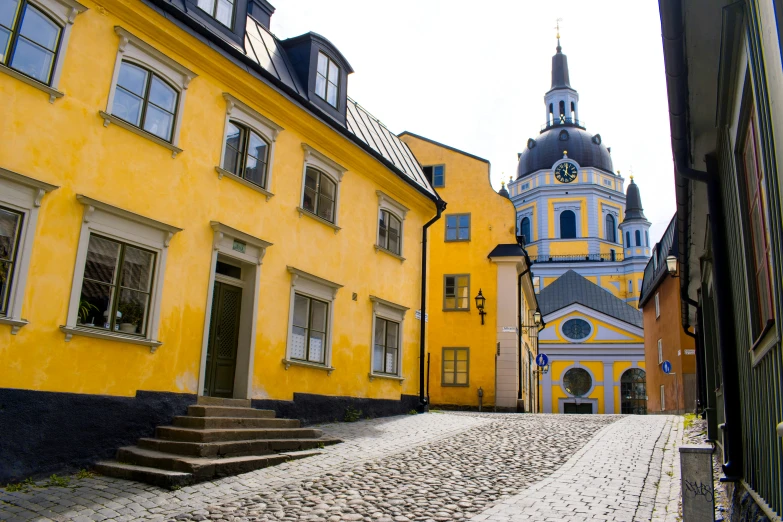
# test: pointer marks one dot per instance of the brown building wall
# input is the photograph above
(678, 348)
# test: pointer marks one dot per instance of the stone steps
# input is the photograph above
(233, 448)
(218, 438)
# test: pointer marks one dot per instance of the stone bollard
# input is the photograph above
(698, 494)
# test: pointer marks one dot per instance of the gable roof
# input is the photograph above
(439, 144)
(571, 288)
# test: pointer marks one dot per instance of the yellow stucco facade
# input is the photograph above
(467, 190)
(67, 144)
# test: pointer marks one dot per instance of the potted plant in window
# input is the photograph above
(132, 315)
(85, 309)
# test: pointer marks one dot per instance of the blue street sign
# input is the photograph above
(666, 366)
(542, 360)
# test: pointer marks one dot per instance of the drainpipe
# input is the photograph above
(440, 206)
(732, 468)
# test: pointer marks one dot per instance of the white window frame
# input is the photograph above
(334, 171)
(400, 211)
(630, 286)
(24, 195)
(663, 398)
(384, 309)
(134, 50)
(64, 13)
(657, 306)
(319, 288)
(130, 228)
(660, 351)
(240, 112)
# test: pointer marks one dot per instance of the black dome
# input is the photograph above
(633, 203)
(587, 150)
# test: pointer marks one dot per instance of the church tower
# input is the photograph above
(588, 240)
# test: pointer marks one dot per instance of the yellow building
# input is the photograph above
(476, 358)
(188, 211)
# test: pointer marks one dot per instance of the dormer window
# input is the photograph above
(220, 10)
(327, 78)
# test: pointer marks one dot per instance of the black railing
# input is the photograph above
(559, 121)
(576, 258)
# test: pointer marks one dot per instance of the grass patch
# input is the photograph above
(21, 486)
(413, 412)
(84, 474)
(352, 414)
(58, 481)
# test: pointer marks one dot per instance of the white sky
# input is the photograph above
(473, 75)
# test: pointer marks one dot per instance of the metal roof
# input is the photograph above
(265, 49)
(584, 148)
(571, 288)
(507, 250)
(656, 268)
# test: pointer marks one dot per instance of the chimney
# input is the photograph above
(261, 11)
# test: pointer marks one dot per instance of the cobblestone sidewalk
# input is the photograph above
(434, 467)
(628, 472)
(104, 498)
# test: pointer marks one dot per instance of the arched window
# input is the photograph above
(145, 100)
(562, 111)
(246, 153)
(611, 231)
(524, 230)
(567, 224)
(551, 113)
(573, 112)
(638, 238)
(633, 392)
(646, 238)
(34, 39)
(627, 240)
(320, 194)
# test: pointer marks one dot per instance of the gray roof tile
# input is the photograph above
(571, 288)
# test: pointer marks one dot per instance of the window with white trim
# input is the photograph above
(118, 275)
(321, 187)
(310, 320)
(391, 216)
(660, 351)
(657, 306)
(327, 80)
(20, 199)
(387, 328)
(248, 146)
(663, 398)
(147, 93)
(220, 10)
(33, 40)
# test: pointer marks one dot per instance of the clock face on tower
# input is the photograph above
(565, 172)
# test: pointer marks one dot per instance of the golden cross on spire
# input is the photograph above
(558, 27)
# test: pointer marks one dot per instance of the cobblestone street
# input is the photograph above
(439, 466)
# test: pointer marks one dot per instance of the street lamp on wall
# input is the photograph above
(671, 265)
(480, 302)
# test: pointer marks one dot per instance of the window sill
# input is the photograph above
(454, 385)
(317, 218)
(108, 118)
(53, 93)
(291, 362)
(766, 340)
(456, 309)
(385, 376)
(389, 252)
(456, 240)
(70, 331)
(222, 172)
(16, 324)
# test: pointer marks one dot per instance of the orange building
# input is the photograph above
(664, 337)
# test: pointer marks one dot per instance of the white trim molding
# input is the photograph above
(400, 211)
(21, 194)
(390, 311)
(241, 112)
(130, 228)
(134, 50)
(64, 13)
(311, 285)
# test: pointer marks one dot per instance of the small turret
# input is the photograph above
(503, 192)
(635, 228)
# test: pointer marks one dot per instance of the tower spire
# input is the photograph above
(558, 34)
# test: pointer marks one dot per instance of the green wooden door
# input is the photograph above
(223, 339)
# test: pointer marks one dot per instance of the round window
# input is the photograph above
(577, 329)
(563, 135)
(577, 381)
